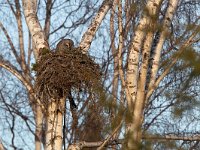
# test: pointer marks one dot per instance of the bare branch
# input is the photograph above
(84, 144)
(12, 69)
(121, 44)
(89, 34)
(114, 55)
(173, 137)
(173, 62)
(8, 66)
(11, 7)
(166, 23)
(110, 136)
(48, 18)
(21, 37)
(34, 25)
(14, 51)
(30, 49)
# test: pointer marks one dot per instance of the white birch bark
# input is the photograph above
(54, 135)
(38, 130)
(136, 44)
(90, 33)
(187, 43)
(1, 145)
(120, 48)
(55, 118)
(140, 98)
(34, 26)
(137, 88)
(166, 23)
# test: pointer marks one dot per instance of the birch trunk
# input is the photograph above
(139, 93)
(166, 23)
(55, 115)
(54, 135)
(90, 33)
(133, 60)
(34, 26)
(136, 81)
(38, 130)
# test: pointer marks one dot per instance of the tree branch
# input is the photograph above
(110, 136)
(8, 66)
(135, 49)
(173, 137)
(1, 145)
(21, 37)
(166, 23)
(120, 48)
(34, 25)
(173, 62)
(85, 144)
(17, 73)
(14, 51)
(89, 34)
(49, 6)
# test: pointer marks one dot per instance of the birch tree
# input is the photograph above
(54, 120)
(143, 77)
(148, 54)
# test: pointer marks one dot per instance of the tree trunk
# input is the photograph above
(38, 130)
(54, 131)
(136, 80)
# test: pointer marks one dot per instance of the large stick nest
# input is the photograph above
(59, 72)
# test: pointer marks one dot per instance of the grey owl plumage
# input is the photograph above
(65, 45)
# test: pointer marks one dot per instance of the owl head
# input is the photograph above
(65, 44)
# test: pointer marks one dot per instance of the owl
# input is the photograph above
(64, 45)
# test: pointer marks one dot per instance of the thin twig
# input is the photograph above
(110, 136)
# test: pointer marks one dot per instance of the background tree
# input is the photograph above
(148, 55)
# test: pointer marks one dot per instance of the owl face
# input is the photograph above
(65, 44)
(68, 43)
